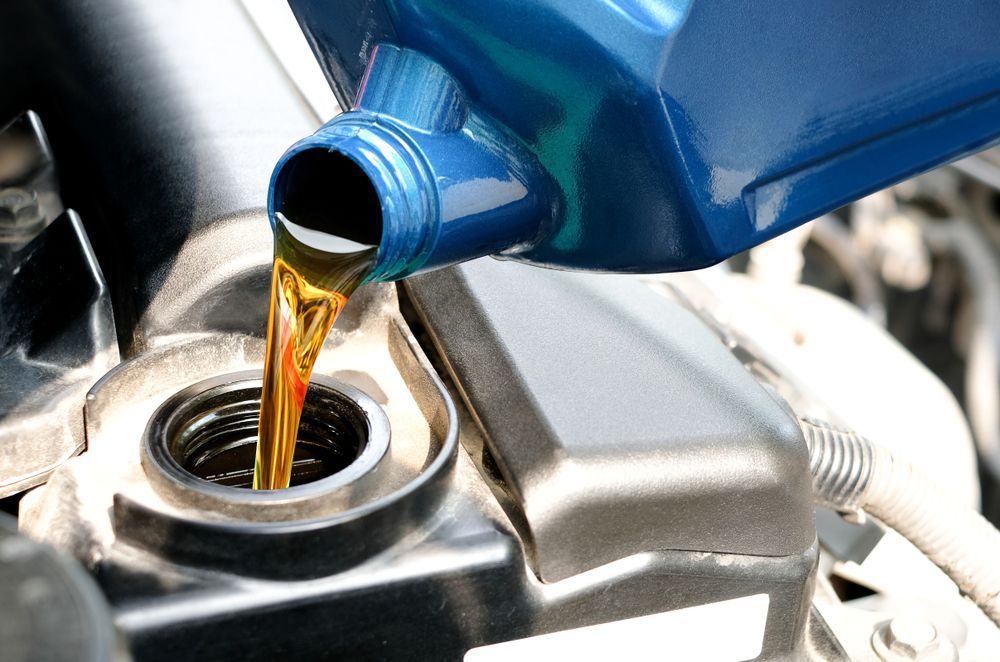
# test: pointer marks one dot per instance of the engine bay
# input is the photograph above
(494, 460)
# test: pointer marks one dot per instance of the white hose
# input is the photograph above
(850, 473)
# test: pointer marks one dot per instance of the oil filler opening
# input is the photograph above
(219, 444)
(327, 191)
(204, 437)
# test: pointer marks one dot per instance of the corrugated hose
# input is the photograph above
(850, 473)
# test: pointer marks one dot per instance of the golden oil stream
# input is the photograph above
(309, 288)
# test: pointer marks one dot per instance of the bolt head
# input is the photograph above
(912, 638)
(909, 635)
(18, 206)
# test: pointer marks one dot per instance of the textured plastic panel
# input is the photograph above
(679, 133)
(620, 423)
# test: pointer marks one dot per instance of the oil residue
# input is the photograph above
(310, 284)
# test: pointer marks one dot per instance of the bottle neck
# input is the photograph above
(404, 217)
(448, 184)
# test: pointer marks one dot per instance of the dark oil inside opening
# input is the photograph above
(232, 464)
(218, 442)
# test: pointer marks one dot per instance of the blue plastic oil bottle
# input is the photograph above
(627, 135)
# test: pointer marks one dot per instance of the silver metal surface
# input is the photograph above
(57, 333)
(909, 638)
(162, 455)
(29, 192)
(49, 608)
(618, 421)
(120, 405)
(433, 590)
(57, 337)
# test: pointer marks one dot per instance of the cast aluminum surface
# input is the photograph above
(57, 337)
(26, 167)
(57, 333)
(119, 406)
(619, 423)
(454, 579)
(50, 609)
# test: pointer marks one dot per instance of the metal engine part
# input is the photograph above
(222, 582)
(165, 119)
(57, 333)
(569, 446)
(51, 610)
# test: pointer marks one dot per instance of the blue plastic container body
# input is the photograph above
(641, 135)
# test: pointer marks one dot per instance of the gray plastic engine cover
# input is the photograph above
(619, 422)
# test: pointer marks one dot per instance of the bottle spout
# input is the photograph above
(303, 190)
(416, 171)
